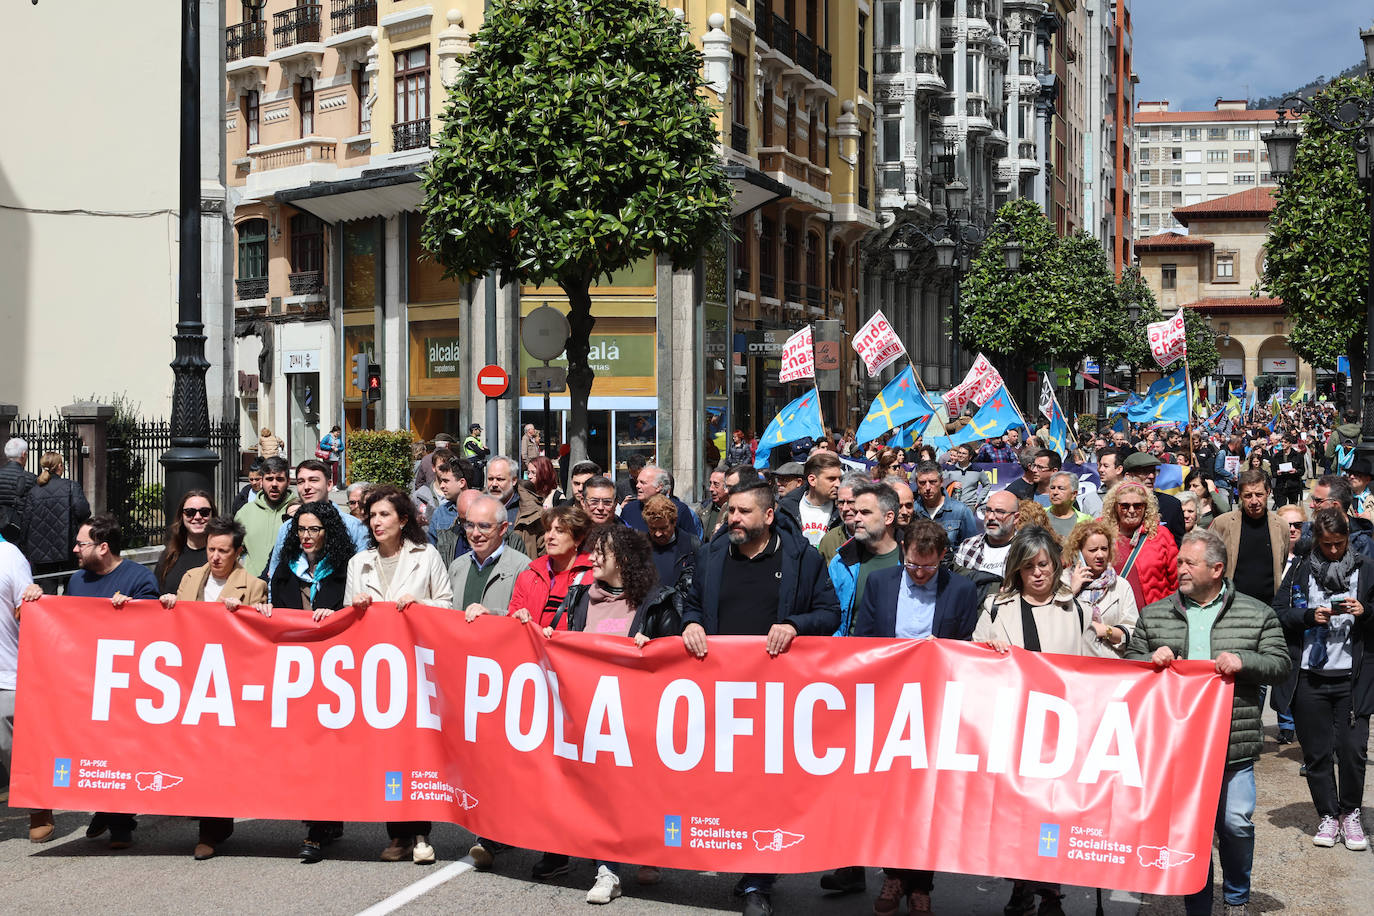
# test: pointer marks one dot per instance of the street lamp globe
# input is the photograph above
(901, 255)
(956, 195)
(1011, 251)
(1282, 143)
(255, 5)
(944, 253)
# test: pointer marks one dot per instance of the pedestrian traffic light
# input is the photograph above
(360, 362)
(374, 382)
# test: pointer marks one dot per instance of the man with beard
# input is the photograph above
(873, 547)
(983, 557)
(762, 580)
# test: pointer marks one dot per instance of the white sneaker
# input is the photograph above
(424, 853)
(606, 888)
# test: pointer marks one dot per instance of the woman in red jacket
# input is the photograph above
(1146, 555)
(541, 587)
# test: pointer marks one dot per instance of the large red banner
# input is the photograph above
(920, 754)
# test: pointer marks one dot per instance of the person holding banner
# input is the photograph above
(763, 580)
(221, 579)
(1036, 611)
(402, 567)
(1146, 555)
(1207, 619)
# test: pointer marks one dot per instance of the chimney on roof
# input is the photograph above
(1232, 105)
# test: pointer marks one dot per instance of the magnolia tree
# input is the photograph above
(1318, 250)
(576, 141)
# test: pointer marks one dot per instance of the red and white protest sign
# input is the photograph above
(1086, 771)
(877, 344)
(798, 357)
(1168, 339)
(980, 383)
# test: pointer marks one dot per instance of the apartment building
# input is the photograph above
(1189, 157)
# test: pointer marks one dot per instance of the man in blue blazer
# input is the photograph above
(919, 599)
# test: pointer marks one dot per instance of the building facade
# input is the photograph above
(1189, 157)
(1211, 269)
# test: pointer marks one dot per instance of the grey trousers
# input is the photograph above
(6, 732)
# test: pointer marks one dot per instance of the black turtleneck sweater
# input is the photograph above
(1255, 559)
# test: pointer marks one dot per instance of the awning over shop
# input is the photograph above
(381, 193)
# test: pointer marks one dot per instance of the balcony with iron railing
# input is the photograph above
(768, 286)
(791, 291)
(306, 282)
(347, 15)
(250, 288)
(815, 296)
(806, 52)
(739, 138)
(783, 35)
(410, 135)
(245, 40)
(763, 23)
(863, 79)
(824, 67)
(300, 25)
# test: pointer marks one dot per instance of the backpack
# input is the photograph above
(1345, 454)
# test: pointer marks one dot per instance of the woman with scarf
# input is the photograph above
(1324, 606)
(1146, 555)
(310, 577)
(1034, 610)
(1107, 598)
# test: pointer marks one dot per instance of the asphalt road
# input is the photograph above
(258, 873)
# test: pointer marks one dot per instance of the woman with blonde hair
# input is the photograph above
(1107, 598)
(269, 446)
(50, 515)
(1146, 555)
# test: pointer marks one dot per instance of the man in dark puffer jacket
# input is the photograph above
(1208, 619)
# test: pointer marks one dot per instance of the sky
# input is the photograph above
(1193, 52)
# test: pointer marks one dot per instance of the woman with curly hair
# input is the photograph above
(623, 599)
(1088, 572)
(185, 540)
(1146, 555)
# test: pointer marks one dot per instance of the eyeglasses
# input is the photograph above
(917, 567)
(355, 502)
(484, 527)
(999, 513)
(84, 544)
(600, 502)
(196, 511)
(312, 530)
(1131, 507)
(1296, 526)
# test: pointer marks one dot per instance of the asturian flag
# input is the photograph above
(994, 418)
(1059, 437)
(799, 420)
(898, 404)
(1166, 399)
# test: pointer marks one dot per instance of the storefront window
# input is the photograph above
(303, 414)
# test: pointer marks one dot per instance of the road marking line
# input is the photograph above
(418, 889)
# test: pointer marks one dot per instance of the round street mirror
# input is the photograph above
(544, 332)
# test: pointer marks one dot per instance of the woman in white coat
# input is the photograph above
(1089, 555)
(403, 568)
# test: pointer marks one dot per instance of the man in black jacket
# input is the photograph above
(763, 580)
(15, 481)
(813, 507)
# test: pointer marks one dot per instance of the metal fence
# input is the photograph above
(135, 476)
(51, 434)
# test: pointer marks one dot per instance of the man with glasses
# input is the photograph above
(712, 509)
(598, 498)
(1036, 465)
(357, 496)
(1334, 490)
(918, 600)
(312, 486)
(105, 574)
(581, 472)
(484, 577)
(844, 501)
(983, 557)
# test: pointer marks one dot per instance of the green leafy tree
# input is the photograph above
(1058, 307)
(1318, 244)
(576, 142)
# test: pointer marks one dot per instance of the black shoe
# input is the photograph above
(311, 852)
(757, 903)
(1022, 902)
(1285, 736)
(741, 886)
(848, 880)
(121, 838)
(1302, 771)
(550, 865)
(99, 824)
(1051, 904)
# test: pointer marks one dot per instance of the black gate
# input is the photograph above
(51, 434)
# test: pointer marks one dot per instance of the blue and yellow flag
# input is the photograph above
(997, 415)
(1166, 399)
(1059, 437)
(799, 420)
(900, 403)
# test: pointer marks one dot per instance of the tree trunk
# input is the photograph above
(580, 375)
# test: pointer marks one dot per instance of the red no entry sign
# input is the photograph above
(492, 381)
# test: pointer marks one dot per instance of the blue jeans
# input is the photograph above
(1235, 842)
(761, 883)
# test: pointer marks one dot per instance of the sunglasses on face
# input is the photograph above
(193, 512)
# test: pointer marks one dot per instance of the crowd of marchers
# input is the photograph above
(1263, 566)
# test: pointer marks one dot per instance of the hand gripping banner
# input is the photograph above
(917, 754)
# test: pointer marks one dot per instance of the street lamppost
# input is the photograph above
(1352, 119)
(190, 463)
(954, 242)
